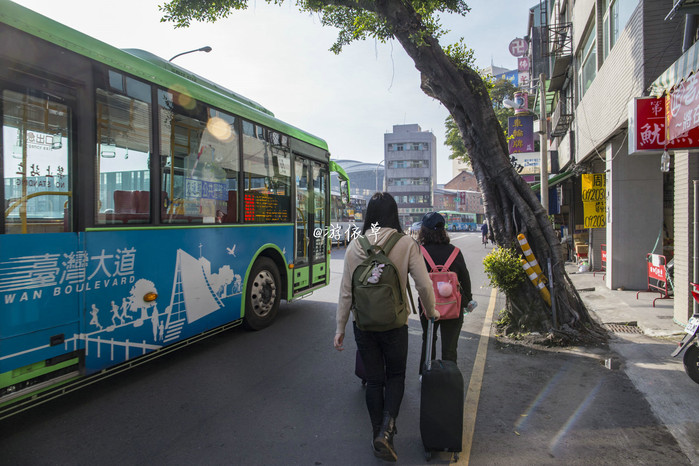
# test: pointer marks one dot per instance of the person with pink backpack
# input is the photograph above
(451, 282)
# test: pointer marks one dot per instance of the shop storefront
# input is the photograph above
(676, 88)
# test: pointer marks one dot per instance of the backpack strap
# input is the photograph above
(451, 258)
(428, 258)
(446, 265)
(364, 243)
(395, 237)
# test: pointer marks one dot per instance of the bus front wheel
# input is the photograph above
(262, 295)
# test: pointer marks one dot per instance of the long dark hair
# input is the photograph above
(430, 236)
(382, 210)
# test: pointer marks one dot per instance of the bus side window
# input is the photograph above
(266, 175)
(199, 162)
(123, 155)
(36, 164)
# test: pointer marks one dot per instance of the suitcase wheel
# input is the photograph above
(428, 455)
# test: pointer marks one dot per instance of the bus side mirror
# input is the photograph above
(344, 192)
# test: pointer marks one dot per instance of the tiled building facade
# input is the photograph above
(410, 159)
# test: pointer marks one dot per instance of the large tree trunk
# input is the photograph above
(510, 204)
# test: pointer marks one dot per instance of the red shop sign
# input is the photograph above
(656, 272)
(647, 127)
(683, 108)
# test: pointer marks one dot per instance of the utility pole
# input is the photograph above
(544, 165)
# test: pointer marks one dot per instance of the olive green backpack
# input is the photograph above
(377, 296)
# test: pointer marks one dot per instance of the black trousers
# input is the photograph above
(450, 330)
(385, 355)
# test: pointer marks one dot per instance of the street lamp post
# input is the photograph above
(376, 173)
(206, 49)
(544, 165)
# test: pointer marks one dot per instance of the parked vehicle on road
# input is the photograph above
(689, 342)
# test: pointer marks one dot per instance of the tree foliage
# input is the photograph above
(447, 74)
(354, 19)
(502, 89)
(499, 91)
(454, 142)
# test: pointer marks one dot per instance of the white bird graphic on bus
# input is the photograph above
(231, 251)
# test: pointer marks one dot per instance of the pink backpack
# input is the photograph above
(446, 286)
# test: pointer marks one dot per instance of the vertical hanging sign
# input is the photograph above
(594, 200)
(521, 133)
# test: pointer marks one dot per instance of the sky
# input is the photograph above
(280, 58)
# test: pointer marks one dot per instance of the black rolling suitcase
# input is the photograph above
(441, 403)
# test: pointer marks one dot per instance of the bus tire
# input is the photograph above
(262, 295)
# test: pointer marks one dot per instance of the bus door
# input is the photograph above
(320, 240)
(42, 263)
(303, 231)
(310, 261)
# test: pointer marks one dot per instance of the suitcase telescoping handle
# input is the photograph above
(428, 342)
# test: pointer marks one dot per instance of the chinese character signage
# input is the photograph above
(520, 130)
(647, 129)
(526, 163)
(523, 78)
(594, 199)
(682, 108)
(523, 64)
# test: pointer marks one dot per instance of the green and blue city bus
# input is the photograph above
(459, 221)
(144, 207)
(346, 217)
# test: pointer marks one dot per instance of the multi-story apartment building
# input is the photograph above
(598, 55)
(410, 158)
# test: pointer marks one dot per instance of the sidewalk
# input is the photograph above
(643, 352)
(614, 306)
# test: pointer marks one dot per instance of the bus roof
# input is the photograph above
(454, 212)
(149, 67)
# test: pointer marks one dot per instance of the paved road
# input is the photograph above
(285, 396)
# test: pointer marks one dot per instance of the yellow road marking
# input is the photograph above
(474, 386)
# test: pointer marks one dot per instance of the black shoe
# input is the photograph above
(376, 431)
(383, 443)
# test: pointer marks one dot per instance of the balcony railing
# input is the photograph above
(560, 51)
(561, 118)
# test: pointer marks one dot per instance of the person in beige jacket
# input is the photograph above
(384, 354)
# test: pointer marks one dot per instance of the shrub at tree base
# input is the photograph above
(503, 268)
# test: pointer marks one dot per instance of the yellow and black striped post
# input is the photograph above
(532, 269)
(529, 255)
(536, 279)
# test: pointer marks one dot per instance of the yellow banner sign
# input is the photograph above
(595, 214)
(594, 200)
(593, 187)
